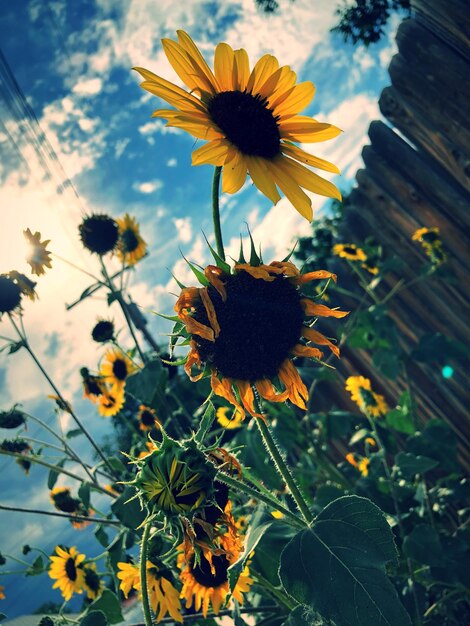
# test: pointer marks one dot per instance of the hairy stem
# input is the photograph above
(143, 575)
(216, 213)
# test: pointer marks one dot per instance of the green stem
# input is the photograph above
(274, 591)
(257, 495)
(363, 283)
(216, 213)
(55, 468)
(79, 518)
(123, 304)
(143, 575)
(59, 395)
(284, 470)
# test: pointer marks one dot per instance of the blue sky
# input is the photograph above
(72, 61)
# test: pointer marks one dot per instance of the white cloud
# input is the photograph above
(158, 126)
(184, 228)
(172, 162)
(88, 87)
(148, 187)
(87, 124)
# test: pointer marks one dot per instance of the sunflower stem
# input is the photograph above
(283, 468)
(28, 348)
(257, 495)
(143, 575)
(76, 518)
(216, 212)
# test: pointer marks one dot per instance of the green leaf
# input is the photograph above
(388, 362)
(197, 273)
(102, 536)
(54, 475)
(423, 545)
(401, 418)
(112, 297)
(206, 422)
(14, 347)
(75, 432)
(109, 604)
(148, 386)
(117, 464)
(217, 258)
(359, 435)
(255, 532)
(300, 616)
(84, 493)
(435, 347)
(411, 464)
(36, 567)
(437, 441)
(337, 567)
(128, 510)
(94, 618)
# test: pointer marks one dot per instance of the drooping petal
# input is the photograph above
(266, 390)
(210, 311)
(317, 275)
(307, 351)
(292, 191)
(223, 388)
(262, 178)
(213, 153)
(258, 271)
(213, 274)
(307, 179)
(304, 157)
(247, 397)
(313, 335)
(313, 309)
(290, 377)
(304, 129)
(234, 174)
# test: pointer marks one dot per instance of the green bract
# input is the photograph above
(175, 478)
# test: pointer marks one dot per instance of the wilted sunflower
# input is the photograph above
(131, 247)
(25, 284)
(163, 596)
(103, 331)
(228, 418)
(367, 400)
(10, 294)
(67, 570)
(63, 501)
(93, 386)
(92, 583)
(250, 120)
(116, 369)
(12, 418)
(206, 583)
(99, 233)
(147, 418)
(430, 240)
(38, 256)
(111, 402)
(349, 251)
(245, 326)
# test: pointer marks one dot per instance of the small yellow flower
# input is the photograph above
(116, 369)
(147, 418)
(430, 240)
(129, 576)
(67, 570)
(349, 251)
(131, 247)
(367, 400)
(38, 256)
(370, 441)
(111, 402)
(363, 466)
(228, 418)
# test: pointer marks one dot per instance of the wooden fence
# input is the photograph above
(417, 173)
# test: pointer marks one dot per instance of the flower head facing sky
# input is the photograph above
(67, 571)
(38, 256)
(250, 119)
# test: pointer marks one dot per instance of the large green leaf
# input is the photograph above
(109, 604)
(300, 616)
(148, 385)
(257, 529)
(412, 464)
(127, 509)
(94, 618)
(423, 545)
(337, 567)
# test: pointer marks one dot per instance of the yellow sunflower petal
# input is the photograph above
(266, 390)
(304, 157)
(304, 129)
(308, 179)
(183, 65)
(223, 388)
(213, 153)
(264, 68)
(292, 191)
(241, 70)
(290, 377)
(317, 275)
(223, 66)
(307, 351)
(314, 309)
(199, 62)
(298, 99)
(313, 335)
(247, 397)
(262, 178)
(234, 174)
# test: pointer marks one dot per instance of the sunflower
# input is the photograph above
(12, 418)
(206, 583)
(92, 584)
(93, 386)
(111, 402)
(131, 246)
(25, 284)
(349, 251)
(147, 418)
(430, 240)
(250, 120)
(63, 501)
(163, 596)
(99, 233)
(370, 267)
(367, 400)
(10, 294)
(245, 326)
(362, 465)
(67, 570)
(228, 418)
(38, 256)
(129, 575)
(116, 369)
(103, 331)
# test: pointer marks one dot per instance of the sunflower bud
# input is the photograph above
(103, 331)
(176, 479)
(12, 419)
(99, 233)
(10, 294)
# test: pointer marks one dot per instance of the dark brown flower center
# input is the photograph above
(129, 241)
(350, 250)
(120, 369)
(247, 122)
(10, 295)
(99, 233)
(147, 418)
(70, 569)
(203, 575)
(260, 322)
